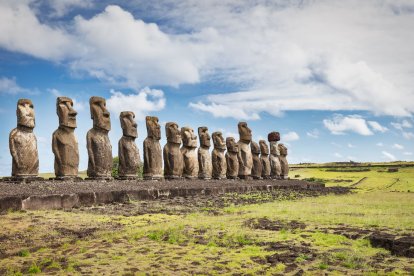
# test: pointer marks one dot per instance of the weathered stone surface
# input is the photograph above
(273, 136)
(245, 154)
(257, 164)
(64, 142)
(173, 159)
(97, 141)
(152, 149)
(188, 150)
(204, 158)
(283, 161)
(275, 169)
(232, 159)
(264, 158)
(23, 143)
(129, 160)
(218, 158)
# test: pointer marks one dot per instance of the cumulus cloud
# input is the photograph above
(377, 126)
(313, 134)
(290, 136)
(380, 144)
(338, 155)
(398, 146)
(401, 125)
(408, 135)
(350, 146)
(141, 103)
(275, 63)
(388, 155)
(10, 86)
(62, 7)
(340, 124)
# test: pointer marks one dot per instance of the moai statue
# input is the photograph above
(128, 153)
(264, 158)
(275, 169)
(23, 143)
(232, 159)
(245, 153)
(97, 141)
(152, 150)
(188, 150)
(283, 161)
(204, 157)
(257, 164)
(173, 159)
(64, 142)
(218, 158)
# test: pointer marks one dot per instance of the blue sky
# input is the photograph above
(334, 77)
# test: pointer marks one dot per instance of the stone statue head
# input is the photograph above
(173, 133)
(218, 140)
(274, 150)
(264, 148)
(188, 137)
(273, 136)
(25, 113)
(128, 124)
(99, 113)
(153, 127)
(65, 112)
(231, 144)
(204, 137)
(254, 148)
(244, 132)
(283, 150)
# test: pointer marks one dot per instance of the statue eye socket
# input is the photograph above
(31, 106)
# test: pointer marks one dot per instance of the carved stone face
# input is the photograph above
(128, 124)
(218, 140)
(245, 132)
(153, 127)
(231, 144)
(264, 148)
(188, 137)
(65, 112)
(273, 136)
(204, 137)
(99, 113)
(25, 113)
(255, 148)
(173, 133)
(283, 150)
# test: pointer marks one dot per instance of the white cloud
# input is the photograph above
(336, 145)
(313, 134)
(54, 92)
(290, 136)
(338, 155)
(340, 124)
(402, 125)
(21, 31)
(10, 86)
(353, 63)
(380, 144)
(408, 135)
(62, 7)
(377, 127)
(141, 103)
(398, 146)
(407, 153)
(388, 156)
(350, 145)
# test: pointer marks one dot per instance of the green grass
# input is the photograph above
(201, 243)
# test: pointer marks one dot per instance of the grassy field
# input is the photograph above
(312, 236)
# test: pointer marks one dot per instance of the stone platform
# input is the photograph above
(51, 194)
